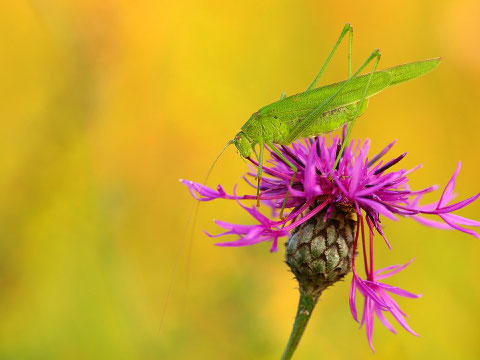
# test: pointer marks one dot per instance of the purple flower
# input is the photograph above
(366, 185)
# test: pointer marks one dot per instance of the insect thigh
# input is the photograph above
(347, 28)
(307, 122)
(350, 127)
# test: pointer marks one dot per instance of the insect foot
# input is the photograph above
(319, 251)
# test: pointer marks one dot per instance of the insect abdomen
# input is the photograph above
(327, 122)
(332, 120)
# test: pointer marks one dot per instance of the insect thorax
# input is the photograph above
(264, 128)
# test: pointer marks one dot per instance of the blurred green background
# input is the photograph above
(105, 104)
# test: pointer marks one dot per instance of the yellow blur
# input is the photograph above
(104, 105)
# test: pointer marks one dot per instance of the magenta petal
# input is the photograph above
(390, 270)
(367, 292)
(378, 207)
(398, 291)
(385, 269)
(372, 308)
(455, 206)
(381, 154)
(238, 229)
(419, 166)
(461, 220)
(447, 192)
(310, 177)
(353, 307)
(218, 235)
(397, 314)
(369, 312)
(339, 184)
(384, 321)
(308, 216)
(243, 241)
(431, 223)
(355, 178)
(383, 236)
(203, 193)
(274, 247)
(455, 226)
(374, 188)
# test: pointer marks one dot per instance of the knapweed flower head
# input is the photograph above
(365, 187)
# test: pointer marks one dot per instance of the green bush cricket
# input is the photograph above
(321, 110)
(313, 112)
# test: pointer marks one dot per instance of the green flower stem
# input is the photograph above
(306, 304)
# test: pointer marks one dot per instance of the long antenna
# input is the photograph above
(215, 161)
(193, 219)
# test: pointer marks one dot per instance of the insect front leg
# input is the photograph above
(294, 169)
(346, 29)
(260, 172)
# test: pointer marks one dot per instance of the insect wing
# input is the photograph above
(312, 99)
(410, 71)
(354, 90)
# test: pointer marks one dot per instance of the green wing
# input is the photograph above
(326, 99)
(352, 92)
(410, 71)
(312, 99)
(396, 75)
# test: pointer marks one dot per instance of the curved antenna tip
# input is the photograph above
(216, 159)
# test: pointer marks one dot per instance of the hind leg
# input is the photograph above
(359, 106)
(302, 126)
(346, 29)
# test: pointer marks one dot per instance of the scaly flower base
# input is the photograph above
(319, 253)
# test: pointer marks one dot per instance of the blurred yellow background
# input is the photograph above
(106, 104)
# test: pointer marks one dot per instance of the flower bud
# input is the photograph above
(319, 251)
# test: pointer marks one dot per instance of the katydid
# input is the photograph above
(321, 110)
(313, 112)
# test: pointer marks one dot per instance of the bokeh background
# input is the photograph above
(105, 104)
